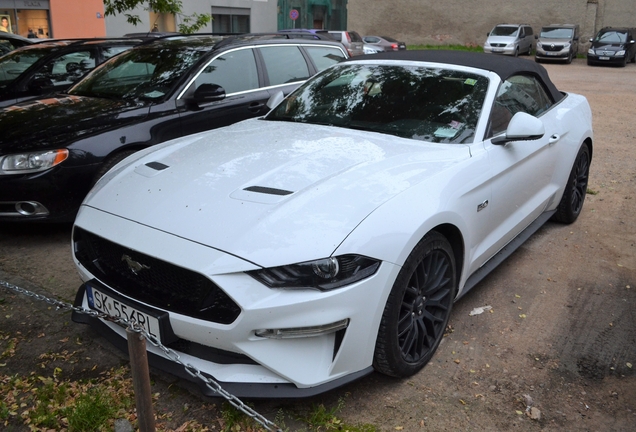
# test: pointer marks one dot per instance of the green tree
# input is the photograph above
(189, 23)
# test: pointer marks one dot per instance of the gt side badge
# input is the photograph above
(482, 206)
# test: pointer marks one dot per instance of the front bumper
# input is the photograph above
(500, 50)
(246, 364)
(52, 196)
(606, 59)
(552, 55)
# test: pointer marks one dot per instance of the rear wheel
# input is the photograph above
(575, 189)
(418, 308)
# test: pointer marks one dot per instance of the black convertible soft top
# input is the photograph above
(504, 66)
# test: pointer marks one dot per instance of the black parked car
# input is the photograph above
(52, 150)
(53, 66)
(612, 46)
(10, 41)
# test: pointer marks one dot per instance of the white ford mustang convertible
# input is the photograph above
(290, 254)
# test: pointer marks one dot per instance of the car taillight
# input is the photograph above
(394, 47)
(348, 37)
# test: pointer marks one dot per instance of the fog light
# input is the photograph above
(303, 332)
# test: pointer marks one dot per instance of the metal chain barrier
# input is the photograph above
(170, 353)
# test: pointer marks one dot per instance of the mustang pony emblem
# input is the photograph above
(133, 265)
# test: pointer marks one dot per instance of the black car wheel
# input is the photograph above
(574, 195)
(569, 59)
(418, 308)
(111, 162)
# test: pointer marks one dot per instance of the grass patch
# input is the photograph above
(591, 192)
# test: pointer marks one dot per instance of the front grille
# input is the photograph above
(498, 45)
(153, 281)
(553, 47)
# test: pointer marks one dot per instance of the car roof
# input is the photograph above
(7, 36)
(212, 41)
(503, 66)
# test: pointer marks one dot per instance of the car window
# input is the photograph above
(284, 64)
(612, 37)
(372, 39)
(337, 36)
(504, 31)
(13, 64)
(108, 52)
(235, 71)
(426, 104)
(355, 37)
(556, 33)
(148, 73)
(519, 93)
(67, 68)
(323, 57)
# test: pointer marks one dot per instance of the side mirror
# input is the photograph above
(208, 93)
(522, 127)
(275, 99)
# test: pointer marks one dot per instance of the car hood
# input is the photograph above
(265, 190)
(608, 46)
(57, 121)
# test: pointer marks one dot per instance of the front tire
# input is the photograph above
(418, 308)
(575, 189)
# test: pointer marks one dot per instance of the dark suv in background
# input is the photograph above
(52, 150)
(612, 46)
(557, 42)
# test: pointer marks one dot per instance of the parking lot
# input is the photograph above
(555, 351)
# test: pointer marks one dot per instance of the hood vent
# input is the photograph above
(268, 190)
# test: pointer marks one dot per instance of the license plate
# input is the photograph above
(551, 53)
(603, 58)
(105, 303)
(497, 50)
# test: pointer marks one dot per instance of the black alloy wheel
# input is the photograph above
(571, 203)
(418, 308)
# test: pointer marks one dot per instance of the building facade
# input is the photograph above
(54, 18)
(228, 16)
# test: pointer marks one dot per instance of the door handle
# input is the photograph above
(554, 138)
(255, 106)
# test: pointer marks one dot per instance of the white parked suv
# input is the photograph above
(510, 39)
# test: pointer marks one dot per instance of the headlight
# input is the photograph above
(620, 53)
(24, 163)
(566, 46)
(590, 51)
(323, 274)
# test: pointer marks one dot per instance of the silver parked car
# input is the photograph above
(350, 39)
(384, 43)
(557, 42)
(510, 39)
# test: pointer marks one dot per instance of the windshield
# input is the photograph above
(15, 63)
(504, 31)
(612, 37)
(146, 73)
(556, 33)
(420, 103)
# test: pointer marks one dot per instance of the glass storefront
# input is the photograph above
(28, 18)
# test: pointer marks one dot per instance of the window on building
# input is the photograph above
(230, 20)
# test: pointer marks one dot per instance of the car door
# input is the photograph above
(236, 71)
(521, 171)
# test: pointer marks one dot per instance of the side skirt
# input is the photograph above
(505, 252)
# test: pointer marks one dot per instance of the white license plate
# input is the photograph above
(113, 307)
(552, 53)
(497, 50)
(603, 58)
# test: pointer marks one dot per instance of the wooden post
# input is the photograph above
(141, 380)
